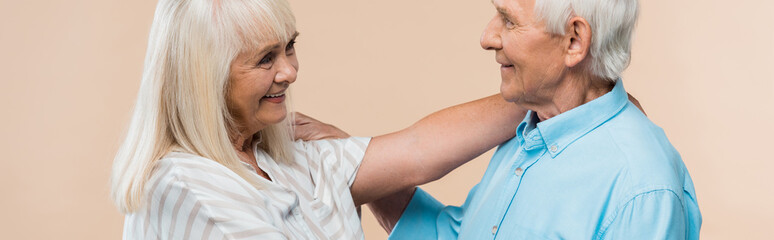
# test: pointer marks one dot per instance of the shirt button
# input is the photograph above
(494, 229)
(553, 148)
(519, 171)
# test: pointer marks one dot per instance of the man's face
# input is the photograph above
(531, 59)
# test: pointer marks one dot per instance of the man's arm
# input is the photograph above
(389, 209)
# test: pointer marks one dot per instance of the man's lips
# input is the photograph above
(499, 58)
(503, 63)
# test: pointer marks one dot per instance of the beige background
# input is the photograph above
(71, 69)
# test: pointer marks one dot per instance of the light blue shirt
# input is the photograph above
(599, 171)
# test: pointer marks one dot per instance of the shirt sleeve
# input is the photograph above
(184, 207)
(426, 218)
(653, 215)
(340, 158)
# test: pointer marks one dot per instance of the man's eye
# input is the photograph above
(266, 61)
(508, 22)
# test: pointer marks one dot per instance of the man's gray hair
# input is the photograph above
(612, 23)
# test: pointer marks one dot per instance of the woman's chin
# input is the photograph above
(275, 118)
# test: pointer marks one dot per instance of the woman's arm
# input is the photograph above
(434, 146)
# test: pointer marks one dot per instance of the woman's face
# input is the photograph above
(258, 81)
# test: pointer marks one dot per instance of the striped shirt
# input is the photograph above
(191, 197)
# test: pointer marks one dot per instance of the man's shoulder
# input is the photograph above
(647, 158)
(639, 139)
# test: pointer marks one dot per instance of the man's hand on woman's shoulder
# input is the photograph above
(307, 128)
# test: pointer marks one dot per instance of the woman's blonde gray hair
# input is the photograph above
(612, 24)
(181, 104)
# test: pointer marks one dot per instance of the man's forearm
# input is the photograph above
(389, 209)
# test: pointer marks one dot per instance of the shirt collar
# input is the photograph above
(560, 131)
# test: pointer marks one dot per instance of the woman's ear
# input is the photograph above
(579, 38)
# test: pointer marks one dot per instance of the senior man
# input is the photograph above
(585, 162)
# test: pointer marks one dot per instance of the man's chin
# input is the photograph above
(510, 95)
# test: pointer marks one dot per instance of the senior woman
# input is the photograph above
(209, 154)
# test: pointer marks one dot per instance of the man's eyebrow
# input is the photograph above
(505, 13)
(500, 9)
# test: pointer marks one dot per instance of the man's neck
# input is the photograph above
(570, 93)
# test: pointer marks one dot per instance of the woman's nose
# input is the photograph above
(287, 69)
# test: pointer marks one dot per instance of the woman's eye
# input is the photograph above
(266, 61)
(290, 47)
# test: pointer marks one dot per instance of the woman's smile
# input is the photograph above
(274, 98)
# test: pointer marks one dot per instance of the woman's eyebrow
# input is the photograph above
(262, 51)
(267, 48)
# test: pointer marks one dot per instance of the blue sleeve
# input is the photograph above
(426, 218)
(657, 214)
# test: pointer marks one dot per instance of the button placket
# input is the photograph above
(506, 196)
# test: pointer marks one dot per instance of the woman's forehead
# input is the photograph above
(258, 37)
(270, 41)
(267, 45)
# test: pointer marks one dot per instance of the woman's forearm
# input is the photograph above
(434, 146)
(453, 136)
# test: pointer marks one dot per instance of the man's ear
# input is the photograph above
(579, 41)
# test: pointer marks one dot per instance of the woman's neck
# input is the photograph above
(243, 141)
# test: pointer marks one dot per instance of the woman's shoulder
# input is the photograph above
(203, 176)
(180, 164)
(351, 143)
(186, 192)
(331, 152)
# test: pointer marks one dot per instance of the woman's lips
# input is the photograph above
(277, 98)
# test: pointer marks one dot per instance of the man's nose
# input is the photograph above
(490, 39)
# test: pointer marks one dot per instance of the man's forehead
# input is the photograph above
(499, 5)
(511, 7)
(504, 6)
